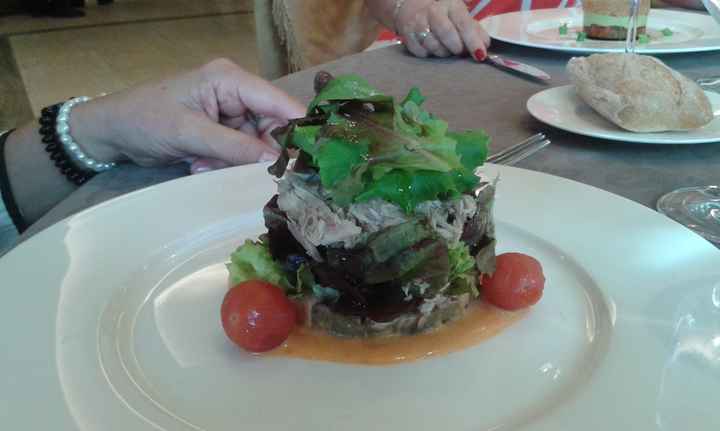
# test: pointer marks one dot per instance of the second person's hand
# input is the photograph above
(452, 31)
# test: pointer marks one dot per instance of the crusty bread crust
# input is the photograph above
(639, 93)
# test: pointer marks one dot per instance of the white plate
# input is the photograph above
(561, 107)
(692, 32)
(110, 321)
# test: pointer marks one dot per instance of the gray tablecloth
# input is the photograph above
(472, 95)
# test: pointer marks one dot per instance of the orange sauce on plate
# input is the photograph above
(480, 322)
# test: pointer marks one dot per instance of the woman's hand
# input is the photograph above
(452, 31)
(215, 116)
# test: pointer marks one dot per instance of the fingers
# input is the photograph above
(201, 165)
(233, 122)
(237, 91)
(412, 43)
(433, 45)
(208, 140)
(445, 31)
(474, 38)
(261, 128)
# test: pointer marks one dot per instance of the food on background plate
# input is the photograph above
(608, 19)
(380, 227)
(563, 29)
(639, 93)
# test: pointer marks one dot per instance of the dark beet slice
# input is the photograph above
(284, 248)
(342, 282)
(385, 303)
(347, 261)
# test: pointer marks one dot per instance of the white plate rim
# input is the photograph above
(613, 133)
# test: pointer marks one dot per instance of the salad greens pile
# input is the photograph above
(364, 145)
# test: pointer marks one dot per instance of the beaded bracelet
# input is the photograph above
(71, 147)
(55, 148)
(75, 165)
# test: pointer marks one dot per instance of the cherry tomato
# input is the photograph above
(257, 316)
(517, 283)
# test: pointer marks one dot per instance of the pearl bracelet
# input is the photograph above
(62, 128)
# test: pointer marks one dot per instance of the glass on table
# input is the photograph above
(631, 37)
(698, 207)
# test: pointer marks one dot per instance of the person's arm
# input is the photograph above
(37, 185)
(687, 4)
(452, 30)
(218, 115)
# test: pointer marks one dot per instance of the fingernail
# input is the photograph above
(268, 157)
(200, 169)
(480, 55)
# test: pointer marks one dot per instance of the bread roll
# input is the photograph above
(639, 93)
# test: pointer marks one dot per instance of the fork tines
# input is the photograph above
(521, 150)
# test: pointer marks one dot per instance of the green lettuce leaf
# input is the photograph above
(346, 87)
(408, 188)
(252, 261)
(472, 146)
(461, 261)
(415, 96)
(465, 283)
(305, 138)
(463, 275)
(337, 160)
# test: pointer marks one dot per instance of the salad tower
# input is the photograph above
(381, 226)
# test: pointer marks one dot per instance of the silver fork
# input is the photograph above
(521, 150)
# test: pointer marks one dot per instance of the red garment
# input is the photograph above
(483, 8)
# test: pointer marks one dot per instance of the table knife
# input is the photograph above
(516, 66)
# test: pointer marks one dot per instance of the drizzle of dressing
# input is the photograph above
(480, 322)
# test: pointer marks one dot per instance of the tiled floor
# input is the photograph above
(123, 11)
(104, 55)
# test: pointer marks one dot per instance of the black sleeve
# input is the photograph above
(6, 189)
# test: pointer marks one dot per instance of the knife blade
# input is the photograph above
(523, 68)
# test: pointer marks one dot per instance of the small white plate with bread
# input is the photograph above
(666, 32)
(630, 98)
